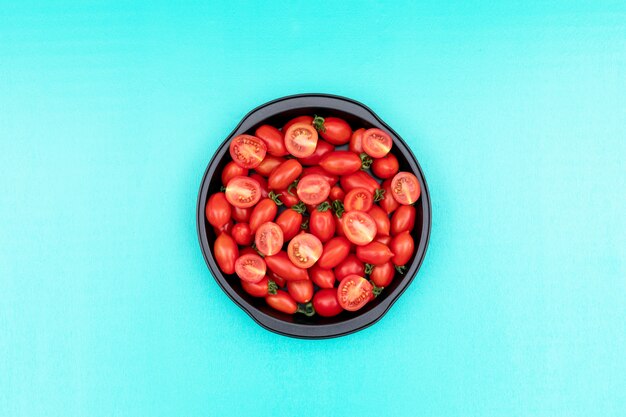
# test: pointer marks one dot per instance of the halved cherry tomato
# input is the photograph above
(376, 143)
(284, 174)
(241, 215)
(280, 281)
(322, 149)
(301, 291)
(273, 139)
(304, 250)
(322, 224)
(335, 130)
(269, 164)
(354, 292)
(313, 189)
(385, 240)
(388, 203)
(232, 170)
(374, 253)
(289, 221)
(323, 278)
(382, 275)
(250, 268)
(282, 266)
(262, 184)
(358, 199)
(334, 252)
(381, 218)
(326, 304)
(336, 193)
(385, 167)
(330, 178)
(356, 145)
(242, 233)
(226, 228)
(300, 119)
(261, 288)
(301, 140)
(247, 151)
(405, 188)
(403, 220)
(359, 179)
(218, 211)
(402, 246)
(349, 266)
(243, 192)
(282, 302)
(359, 227)
(226, 253)
(288, 198)
(263, 212)
(269, 239)
(341, 162)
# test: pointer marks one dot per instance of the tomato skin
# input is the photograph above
(388, 203)
(241, 215)
(300, 119)
(287, 198)
(341, 162)
(354, 292)
(403, 247)
(264, 211)
(282, 302)
(226, 253)
(403, 220)
(243, 192)
(227, 228)
(359, 179)
(381, 218)
(300, 291)
(376, 143)
(405, 188)
(332, 179)
(247, 250)
(313, 189)
(336, 131)
(349, 266)
(356, 145)
(339, 227)
(268, 165)
(336, 193)
(322, 149)
(385, 240)
(374, 253)
(218, 211)
(358, 199)
(232, 170)
(273, 139)
(262, 184)
(256, 289)
(359, 227)
(322, 224)
(385, 167)
(280, 281)
(382, 275)
(282, 266)
(247, 151)
(242, 233)
(269, 238)
(326, 304)
(304, 250)
(284, 174)
(323, 278)
(290, 222)
(335, 250)
(301, 140)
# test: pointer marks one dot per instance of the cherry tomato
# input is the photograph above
(322, 224)
(322, 149)
(402, 246)
(359, 227)
(282, 266)
(336, 193)
(218, 211)
(339, 227)
(388, 203)
(301, 140)
(282, 301)
(259, 289)
(226, 253)
(358, 199)
(242, 233)
(250, 268)
(300, 119)
(385, 240)
(359, 179)
(243, 192)
(382, 275)
(289, 221)
(349, 266)
(269, 239)
(335, 130)
(262, 184)
(381, 219)
(376, 143)
(263, 212)
(232, 170)
(405, 188)
(326, 304)
(300, 291)
(284, 174)
(304, 250)
(374, 253)
(341, 162)
(323, 278)
(280, 281)
(269, 164)
(247, 151)
(356, 145)
(332, 179)
(273, 139)
(354, 292)
(226, 228)
(385, 167)
(403, 220)
(334, 252)
(241, 215)
(247, 250)
(288, 198)
(313, 189)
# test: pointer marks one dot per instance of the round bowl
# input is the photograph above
(276, 113)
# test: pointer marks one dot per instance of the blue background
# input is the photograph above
(109, 113)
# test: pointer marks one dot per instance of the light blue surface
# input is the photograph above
(109, 114)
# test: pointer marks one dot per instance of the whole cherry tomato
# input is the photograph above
(280, 281)
(322, 149)
(261, 288)
(359, 179)
(326, 304)
(385, 240)
(288, 197)
(356, 141)
(332, 179)
(300, 119)
(289, 221)
(381, 219)
(218, 211)
(247, 151)
(341, 162)
(349, 266)
(242, 233)
(300, 291)
(385, 167)
(382, 275)
(263, 212)
(282, 266)
(336, 193)
(334, 252)
(282, 301)
(241, 215)
(374, 253)
(226, 228)
(323, 278)
(339, 227)
(284, 174)
(321, 222)
(232, 170)
(226, 253)
(403, 220)
(273, 139)
(268, 165)
(388, 203)
(335, 130)
(402, 246)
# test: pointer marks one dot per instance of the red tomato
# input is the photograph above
(301, 140)
(359, 227)
(259, 289)
(300, 119)
(262, 184)
(282, 266)
(247, 151)
(334, 252)
(218, 211)
(335, 130)
(402, 246)
(263, 212)
(243, 192)
(273, 139)
(232, 170)
(323, 278)
(242, 233)
(280, 281)
(381, 218)
(356, 145)
(403, 220)
(313, 189)
(322, 149)
(241, 215)
(332, 179)
(341, 162)
(326, 304)
(374, 253)
(268, 165)
(339, 227)
(289, 221)
(349, 266)
(284, 174)
(282, 301)
(376, 143)
(385, 240)
(385, 167)
(269, 239)
(300, 291)
(382, 275)
(304, 250)
(388, 203)
(354, 292)
(288, 198)
(247, 250)
(226, 252)
(322, 224)
(336, 193)
(405, 188)
(250, 268)
(227, 228)
(358, 199)
(360, 179)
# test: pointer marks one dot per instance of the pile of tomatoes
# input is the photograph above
(308, 224)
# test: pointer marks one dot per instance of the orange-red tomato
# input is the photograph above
(243, 192)
(232, 170)
(218, 211)
(376, 143)
(382, 275)
(263, 212)
(300, 119)
(226, 253)
(241, 215)
(282, 266)
(381, 219)
(388, 203)
(323, 278)
(269, 239)
(290, 222)
(313, 189)
(250, 268)
(354, 292)
(269, 164)
(330, 178)
(301, 291)
(359, 227)
(374, 253)
(359, 179)
(258, 289)
(301, 140)
(273, 139)
(247, 151)
(402, 220)
(284, 174)
(358, 199)
(322, 224)
(282, 301)
(405, 188)
(242, 233)
(304, 250)
(322, 149)
(356, 141)
(335, 130)
(349, 266)
(336, 193)
(335, 250)
(385, 167)
(402, 246)
(326, 304)
(341, 162)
